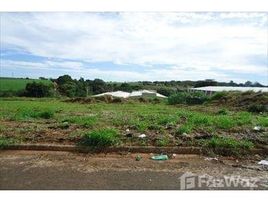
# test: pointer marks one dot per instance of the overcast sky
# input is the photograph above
(132, 46)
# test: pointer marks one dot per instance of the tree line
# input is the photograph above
(67, 86)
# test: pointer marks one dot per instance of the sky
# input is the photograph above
(136, 46)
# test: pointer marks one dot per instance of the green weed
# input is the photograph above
(84, 121)
(101, 138)
(227, 145)
(184, 129)
(5, 142)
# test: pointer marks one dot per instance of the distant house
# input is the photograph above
(213, 89)
(139, 93)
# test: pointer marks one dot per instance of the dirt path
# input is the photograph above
(63, 170)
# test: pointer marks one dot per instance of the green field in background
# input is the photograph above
(16, 84)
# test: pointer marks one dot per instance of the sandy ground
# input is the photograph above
(64, 170)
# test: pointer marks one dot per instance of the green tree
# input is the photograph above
(37, 90)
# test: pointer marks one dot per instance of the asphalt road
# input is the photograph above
(32, 170)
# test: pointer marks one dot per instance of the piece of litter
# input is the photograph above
(142, 136)
(160, 157)
(127, 130)
(263, 162)
(257, 128)
(209, 159)
(174, 155)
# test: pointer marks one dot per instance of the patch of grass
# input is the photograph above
(84, 121)
(25, 114)
(224, 122)
(4, 142)
(263, 121)
(163, 141)
(243, 118)
(139, 125)
(2, 128)
(227, 145)
(186, 128)
(101, 138)
(199, 120)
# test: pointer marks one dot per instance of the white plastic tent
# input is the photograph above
(228, 88)
(138, 93)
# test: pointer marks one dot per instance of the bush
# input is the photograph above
(222, 112)
(178, 98)
(37, 90)
(188, 98)
(8, 93)
(165, 91)
(218, 95)
(45, 114)
(101, 138)
(257, 108)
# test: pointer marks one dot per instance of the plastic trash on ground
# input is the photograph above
(159, 157)
(209, 159)
(142, 136)
(257, 128)
(263, 162)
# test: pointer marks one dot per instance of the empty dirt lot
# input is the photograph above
(63, 170)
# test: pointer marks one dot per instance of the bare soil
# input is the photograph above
(64, 170)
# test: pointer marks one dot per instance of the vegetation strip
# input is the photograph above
(132, 149)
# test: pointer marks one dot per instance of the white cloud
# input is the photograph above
(197, 41)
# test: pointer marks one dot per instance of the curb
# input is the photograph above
(131, 149)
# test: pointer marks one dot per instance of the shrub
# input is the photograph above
(218, 95)
(37, 90)
(257, 108)
(222, 112)
(187, 98)
(166, 91)
(45, 114)
(178, 98)
(101, 138)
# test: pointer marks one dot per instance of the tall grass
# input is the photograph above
(101, 138)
